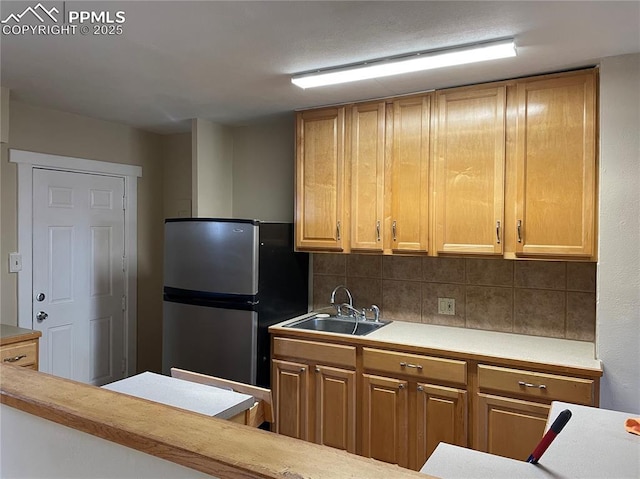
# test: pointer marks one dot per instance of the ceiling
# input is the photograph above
(230, 62)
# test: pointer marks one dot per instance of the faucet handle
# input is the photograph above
(375, 310)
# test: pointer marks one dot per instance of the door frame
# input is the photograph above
(26, 162)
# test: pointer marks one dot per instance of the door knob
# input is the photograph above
(41, 316)
(40, 297)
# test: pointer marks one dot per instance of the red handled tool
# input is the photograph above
(554, 430)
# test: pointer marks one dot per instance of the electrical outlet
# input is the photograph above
(447, 306)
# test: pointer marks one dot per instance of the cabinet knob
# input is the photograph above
(420, 388)
(317, 370)
(401, 386)
(301, 370)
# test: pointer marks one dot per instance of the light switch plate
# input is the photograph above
(447, 306)
(15, 262)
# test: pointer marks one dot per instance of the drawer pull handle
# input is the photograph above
(529, 385)
(519, 228)
(14, 359)
(409, 365)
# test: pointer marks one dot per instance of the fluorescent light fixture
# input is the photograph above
(414, 62)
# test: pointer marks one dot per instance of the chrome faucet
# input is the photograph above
(332, 300)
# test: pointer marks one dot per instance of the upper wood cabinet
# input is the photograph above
(319, 209)
(409, 169)
(366, 166)
(469, 165)
(506, 168)
(556, 166)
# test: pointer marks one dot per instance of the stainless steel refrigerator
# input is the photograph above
(225, 282)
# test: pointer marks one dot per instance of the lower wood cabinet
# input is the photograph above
(397, 406)
(291, 393)
(513, 405)
(510, 427)
(335, 407)
(441, 416)
(408, 411)
(404, 421)
(20, 349)
(385, 423)
(314, 401)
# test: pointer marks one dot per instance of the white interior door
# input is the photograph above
(78, 277)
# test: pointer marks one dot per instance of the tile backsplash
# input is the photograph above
(541, 298)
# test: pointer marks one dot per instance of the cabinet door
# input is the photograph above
(441, 416)
(385, 420)
(320, 179)
(410, 174)
(367, 175)
(335, 422)
(510, 427)
(290, 394)
(469, 165)
(556, 166)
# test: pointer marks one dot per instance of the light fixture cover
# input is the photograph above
(414, 62)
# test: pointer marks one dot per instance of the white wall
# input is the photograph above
(176, 178)
(212, 169)
(33, 447)
(4, 115)
(618, 281)
(59, 133)
(263, 170)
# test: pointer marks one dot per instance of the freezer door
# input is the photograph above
(211, 256)
(215, 341)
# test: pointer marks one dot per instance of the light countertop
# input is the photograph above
(11, 334)
(593, 445)
(461, 342)
(208, 400)
(561, 352)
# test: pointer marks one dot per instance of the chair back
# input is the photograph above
(261, 411)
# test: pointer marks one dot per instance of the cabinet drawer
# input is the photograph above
(549, 387)
(324, 353)
(415, 365)
(21, 354)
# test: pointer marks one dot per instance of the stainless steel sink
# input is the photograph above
(337, 324)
